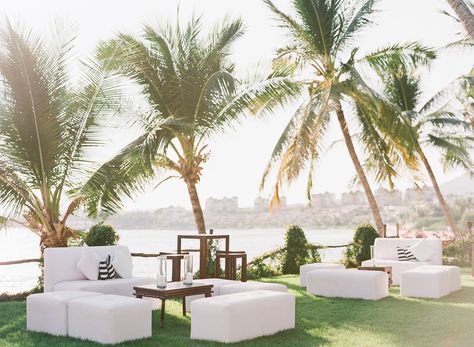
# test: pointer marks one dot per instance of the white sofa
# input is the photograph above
(385, 254)
(242, 316)
(61, 272)
(349, 283)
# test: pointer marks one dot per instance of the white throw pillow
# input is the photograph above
(423, 250)
(89, 264)
(122, 263)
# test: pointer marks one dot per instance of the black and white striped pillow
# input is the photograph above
(106, 270)
(404, 254)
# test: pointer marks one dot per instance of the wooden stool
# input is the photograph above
(230, 258)
(175, 264)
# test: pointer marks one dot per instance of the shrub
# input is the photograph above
(101, 235)
(297, 251)
(359, 250)
(259, 269)
(459, 252)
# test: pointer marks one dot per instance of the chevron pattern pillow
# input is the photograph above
(106, 269)
(404, 254)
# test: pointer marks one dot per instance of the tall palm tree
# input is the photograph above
(322, 45)
(47, 128)
(464, 11)
(188, 80)
(429, 124)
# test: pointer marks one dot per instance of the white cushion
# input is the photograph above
(425, 282)
(123, 264)
(454, 275)
(47, 312)
(217, 283)
(88, 263)
(386, 248)
(304, 269)
(109, 319)
(118, 286)
(240, 287)
(242, 316)
(356, 284)
(423, 250)
(397, 267)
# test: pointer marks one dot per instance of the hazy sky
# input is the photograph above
(239, 156)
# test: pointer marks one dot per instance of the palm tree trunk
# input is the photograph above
(197, 210)
(439, 195)
(464, 14)
(360, 171)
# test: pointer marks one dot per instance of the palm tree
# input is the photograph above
(464, 11)
(46, 131)
(428, 124)
(191, 91)
(322, 45)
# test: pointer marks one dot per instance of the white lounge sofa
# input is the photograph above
(61, 272)
(385, 254)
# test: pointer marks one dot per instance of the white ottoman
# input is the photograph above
(425, 282)
(454, 275)
(240, 287)
(110, 318)
(242, 316)
(47, 312)
(217, 284)
(304, 269)
(354, 284)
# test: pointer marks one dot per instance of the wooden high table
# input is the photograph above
(203, 248)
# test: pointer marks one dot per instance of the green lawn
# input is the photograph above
(393, 321)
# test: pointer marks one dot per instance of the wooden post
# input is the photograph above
(472, 260)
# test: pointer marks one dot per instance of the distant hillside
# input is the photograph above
(462, 185)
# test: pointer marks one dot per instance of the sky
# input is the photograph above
(239, 155)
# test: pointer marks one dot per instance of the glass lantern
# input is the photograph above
(162, 272)
(372, 257)
(188, 270)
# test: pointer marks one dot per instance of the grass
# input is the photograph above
(393, 321)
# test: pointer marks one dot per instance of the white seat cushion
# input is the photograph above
(240, 287)
(242, 316)
(47, 312)
(425, 282)
(356, 284)
(397, 267)
(109, 318)
(216, 289)
(118, 286)
(304, 269)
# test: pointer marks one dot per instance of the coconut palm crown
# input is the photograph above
(323, 49)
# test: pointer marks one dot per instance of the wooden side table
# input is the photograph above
(387, 269)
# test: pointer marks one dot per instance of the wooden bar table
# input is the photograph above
(203, 248)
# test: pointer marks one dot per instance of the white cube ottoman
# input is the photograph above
(425, 282)
(242, 316)
(217, 284)
(304, 269)
(110, 318)
(354, 284)
(47, 312)
(454, 275)
(240, 287)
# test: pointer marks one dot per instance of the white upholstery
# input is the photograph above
(61, 272)
(454, 278)
(356, 284)
(385, 254)
(425, 282)
(240, 287)
(109, 319)
(304, 269)
(242, 316)
(47, 312)
(118, 286)
(216, 289)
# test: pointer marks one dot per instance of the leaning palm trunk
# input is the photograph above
(464, 14)
(442, 202)
(360, 171)
(196, 204)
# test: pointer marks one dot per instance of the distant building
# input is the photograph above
(353, 198)
(263, 205)
(387, 197)
(426, 194)
(222, 205)
(323, 200)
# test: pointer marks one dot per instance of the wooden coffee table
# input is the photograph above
(387, 269)
(173, 290)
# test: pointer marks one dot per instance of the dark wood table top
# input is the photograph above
(172, 290)
(375, 268)
(203, 236)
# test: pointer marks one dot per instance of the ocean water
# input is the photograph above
(17, 243)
